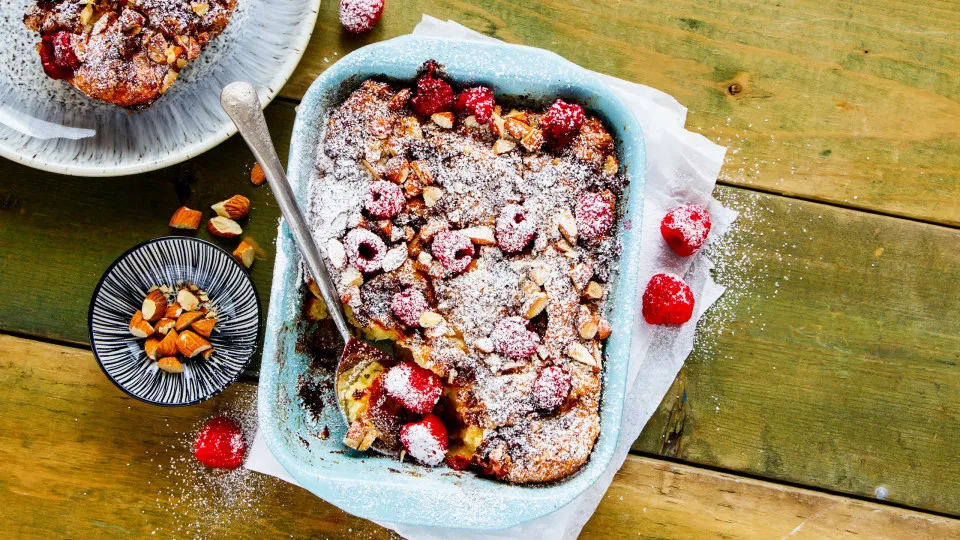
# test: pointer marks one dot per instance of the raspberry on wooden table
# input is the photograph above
(594, 214)
(685, 228)
(414, 387)
(453, 249)
(384, 199)
(515, 229)
(365, 250)
(425, 440)
(478, 102)
(667, 300)
(433, 94)
(220, 444)
(562, 121)
(512, 338)
(551, 388)
(359, 16)
(408, 306)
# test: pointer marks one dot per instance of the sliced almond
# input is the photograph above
(336, 254)
(581, 354)
(593, 291)
(564, 247)
(481, 235)
(168, 345)
(139, 327)
(187, 300)
(604, 329)
(411, 127)
(150, 347)
(185, 218)
(515, 127)
(502, 146)
(567, 226)
(535, 305)
(431, 195)
(351, 276)
(224, 227)
(188, 318)
(429, 319)
(421, 172)
(164, 326)
(236, 207)
(190, 344)
(443, 119)
(204, 326)
(580, 275)
(394, 258)
(532, 140)
(360, 436)
(173, 311)
(245, 254)
(484, 345)
(587, 323)
(539, 274)
(154, 306)
(471, 122)
(170, 364)
(530, 288)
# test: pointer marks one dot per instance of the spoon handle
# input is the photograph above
(241, 103)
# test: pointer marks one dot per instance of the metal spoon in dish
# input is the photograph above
(241, 103)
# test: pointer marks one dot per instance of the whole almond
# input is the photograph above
(236, 207)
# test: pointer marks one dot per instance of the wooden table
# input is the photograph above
(822, 399)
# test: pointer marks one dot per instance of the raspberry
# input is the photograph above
(550, 389)
(359, 16)
(416, 388)
(513, 339)
(220, 444)
(514, 229)
(365, 250)
(408, 306)
(562, 121)
(667, 300)
(425, 440)
(433, 95)
(453, 249)
(384, 199)
(594, 214)
(57, 56)
(685, 228)
(476, 101)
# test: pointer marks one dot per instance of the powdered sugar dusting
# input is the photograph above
(422, 445)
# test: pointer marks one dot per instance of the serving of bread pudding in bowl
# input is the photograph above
(476, 213)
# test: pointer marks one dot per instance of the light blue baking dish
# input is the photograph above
(383, 489)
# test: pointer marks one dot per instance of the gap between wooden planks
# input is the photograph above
(81, 459)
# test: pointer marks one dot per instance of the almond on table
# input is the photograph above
(236, 207)
(185, 218)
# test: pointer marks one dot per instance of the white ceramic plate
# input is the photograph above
(262, 45)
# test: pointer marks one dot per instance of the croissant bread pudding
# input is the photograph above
(481, 239)
(125, 52)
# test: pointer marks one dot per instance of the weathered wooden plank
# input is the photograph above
(59, 233)
(838, 367)
(83, 460)
(849, 102)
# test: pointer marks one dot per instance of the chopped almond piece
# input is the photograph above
(185, 218)
(188, 318)
(224, 227)
(204, 326)
(207, 354)
(150, 347)
(187, 300)
(173, 311)
(604, 329)
(257, 177)
(170, 364)
(245, 254)
(168, 345)
(236, 207)
(164, 326)
(190, 344)
(139, 327)
(154, 306)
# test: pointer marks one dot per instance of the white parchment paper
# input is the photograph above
(682, 168)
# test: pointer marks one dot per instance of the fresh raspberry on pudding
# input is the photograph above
(550, 389)
(425, 440)
(476, 101)
(513, 339)
(408, 306)
(384, 199)
(359, 16)
(414, 387)
(365, 250)
(594, 214)
(433, 94)
(220, 444)
(515, 229)
(57, 55)
(667, 300)
(453, 249)
(562, 121)
(685, 228)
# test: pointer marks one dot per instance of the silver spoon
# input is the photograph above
(241, 103)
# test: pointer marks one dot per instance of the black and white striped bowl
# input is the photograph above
(167, 261)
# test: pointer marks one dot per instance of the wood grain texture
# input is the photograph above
(839, 366)
(855, 103)
(83, 460)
